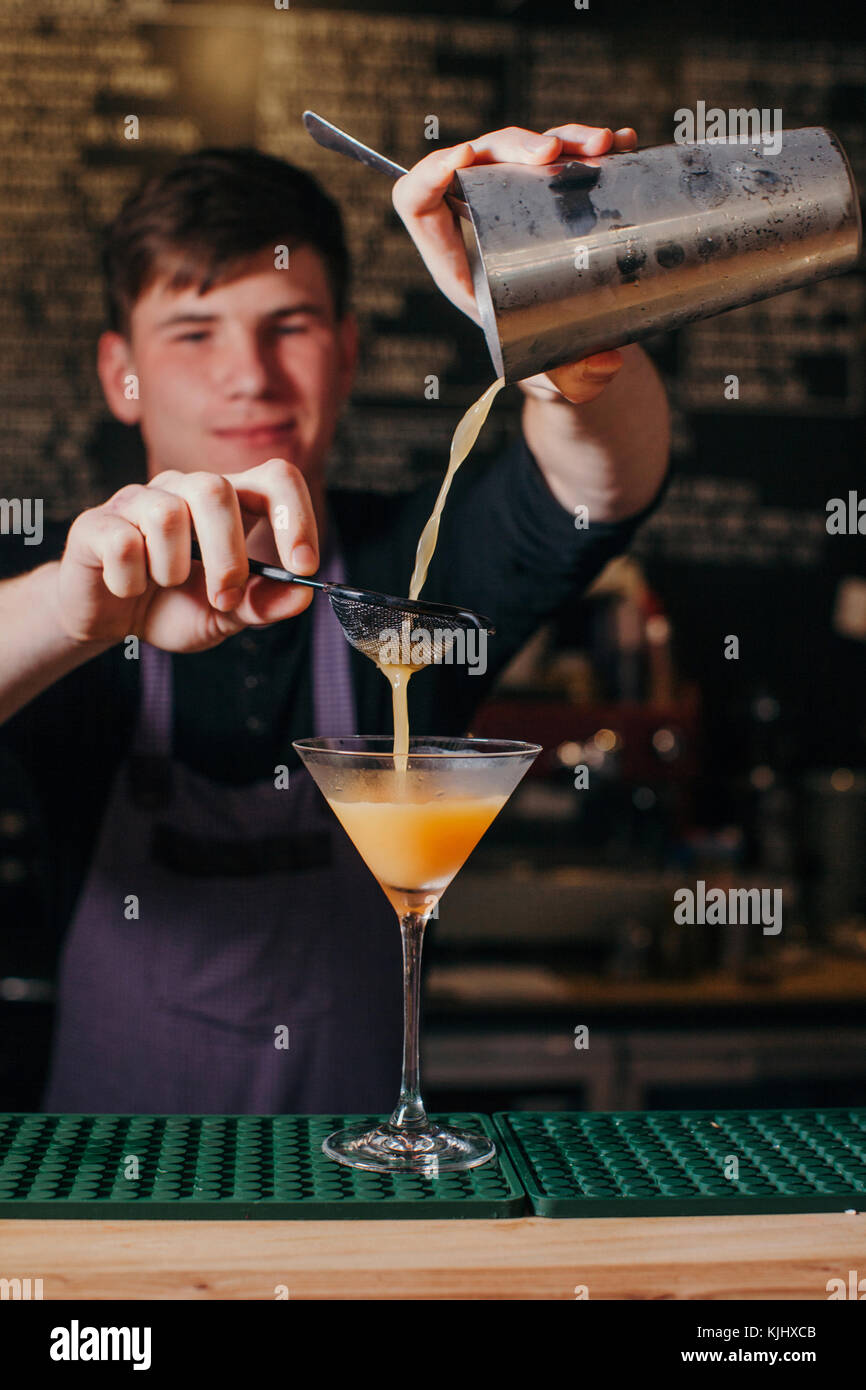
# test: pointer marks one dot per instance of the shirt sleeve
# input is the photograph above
(511, 551)
(17, 555)
(59, 753)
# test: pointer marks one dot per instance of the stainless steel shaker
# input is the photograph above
(582, 255)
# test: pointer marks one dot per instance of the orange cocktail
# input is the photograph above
(415, 848)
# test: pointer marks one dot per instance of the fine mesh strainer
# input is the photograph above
(409, 633)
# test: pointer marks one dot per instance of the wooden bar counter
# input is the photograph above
(717, 1257)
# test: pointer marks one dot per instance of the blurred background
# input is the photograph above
(664, 763)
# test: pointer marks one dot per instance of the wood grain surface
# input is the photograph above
(717, 1257)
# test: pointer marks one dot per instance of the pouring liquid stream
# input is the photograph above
(465, 435)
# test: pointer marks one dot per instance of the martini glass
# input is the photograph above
(414, 827)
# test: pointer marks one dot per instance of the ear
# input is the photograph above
(117, 374)
(347, 338)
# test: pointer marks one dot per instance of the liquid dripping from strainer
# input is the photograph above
(465, 435)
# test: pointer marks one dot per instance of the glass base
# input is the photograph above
(429, 1150)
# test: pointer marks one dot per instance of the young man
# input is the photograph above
(224, 947)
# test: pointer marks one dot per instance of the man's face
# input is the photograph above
(256, 368)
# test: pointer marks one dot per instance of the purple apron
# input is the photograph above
(275, 989)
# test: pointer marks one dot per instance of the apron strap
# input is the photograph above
(334, 711)
(153, 733)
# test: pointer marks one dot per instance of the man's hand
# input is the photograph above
(127, 566)
(419, 198)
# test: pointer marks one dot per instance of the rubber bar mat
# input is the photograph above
(701, 1162)
(220, 1167)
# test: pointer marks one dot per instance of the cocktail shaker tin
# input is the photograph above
(583, 255)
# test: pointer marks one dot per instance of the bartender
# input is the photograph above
(222, 946)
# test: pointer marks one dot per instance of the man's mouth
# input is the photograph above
(265, 435)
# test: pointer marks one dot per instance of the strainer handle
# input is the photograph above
(273, 572)
(285, 577)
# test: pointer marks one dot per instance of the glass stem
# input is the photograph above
(410, 1112)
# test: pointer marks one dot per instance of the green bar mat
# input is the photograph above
(223, 1167)
(670, 1163)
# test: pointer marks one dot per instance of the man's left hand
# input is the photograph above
(419, 198)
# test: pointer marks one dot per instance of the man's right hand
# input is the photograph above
(127, 566)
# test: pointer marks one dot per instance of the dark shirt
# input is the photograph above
(506, 548)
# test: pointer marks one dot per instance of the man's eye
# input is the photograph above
(284, 329)
(191, 337)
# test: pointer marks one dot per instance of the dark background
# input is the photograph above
(197, 74)
(756, 563)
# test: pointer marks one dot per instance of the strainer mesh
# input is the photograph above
(392, 636)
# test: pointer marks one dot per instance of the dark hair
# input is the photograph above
(211, 210)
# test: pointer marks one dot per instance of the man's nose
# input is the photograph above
(243, 368)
